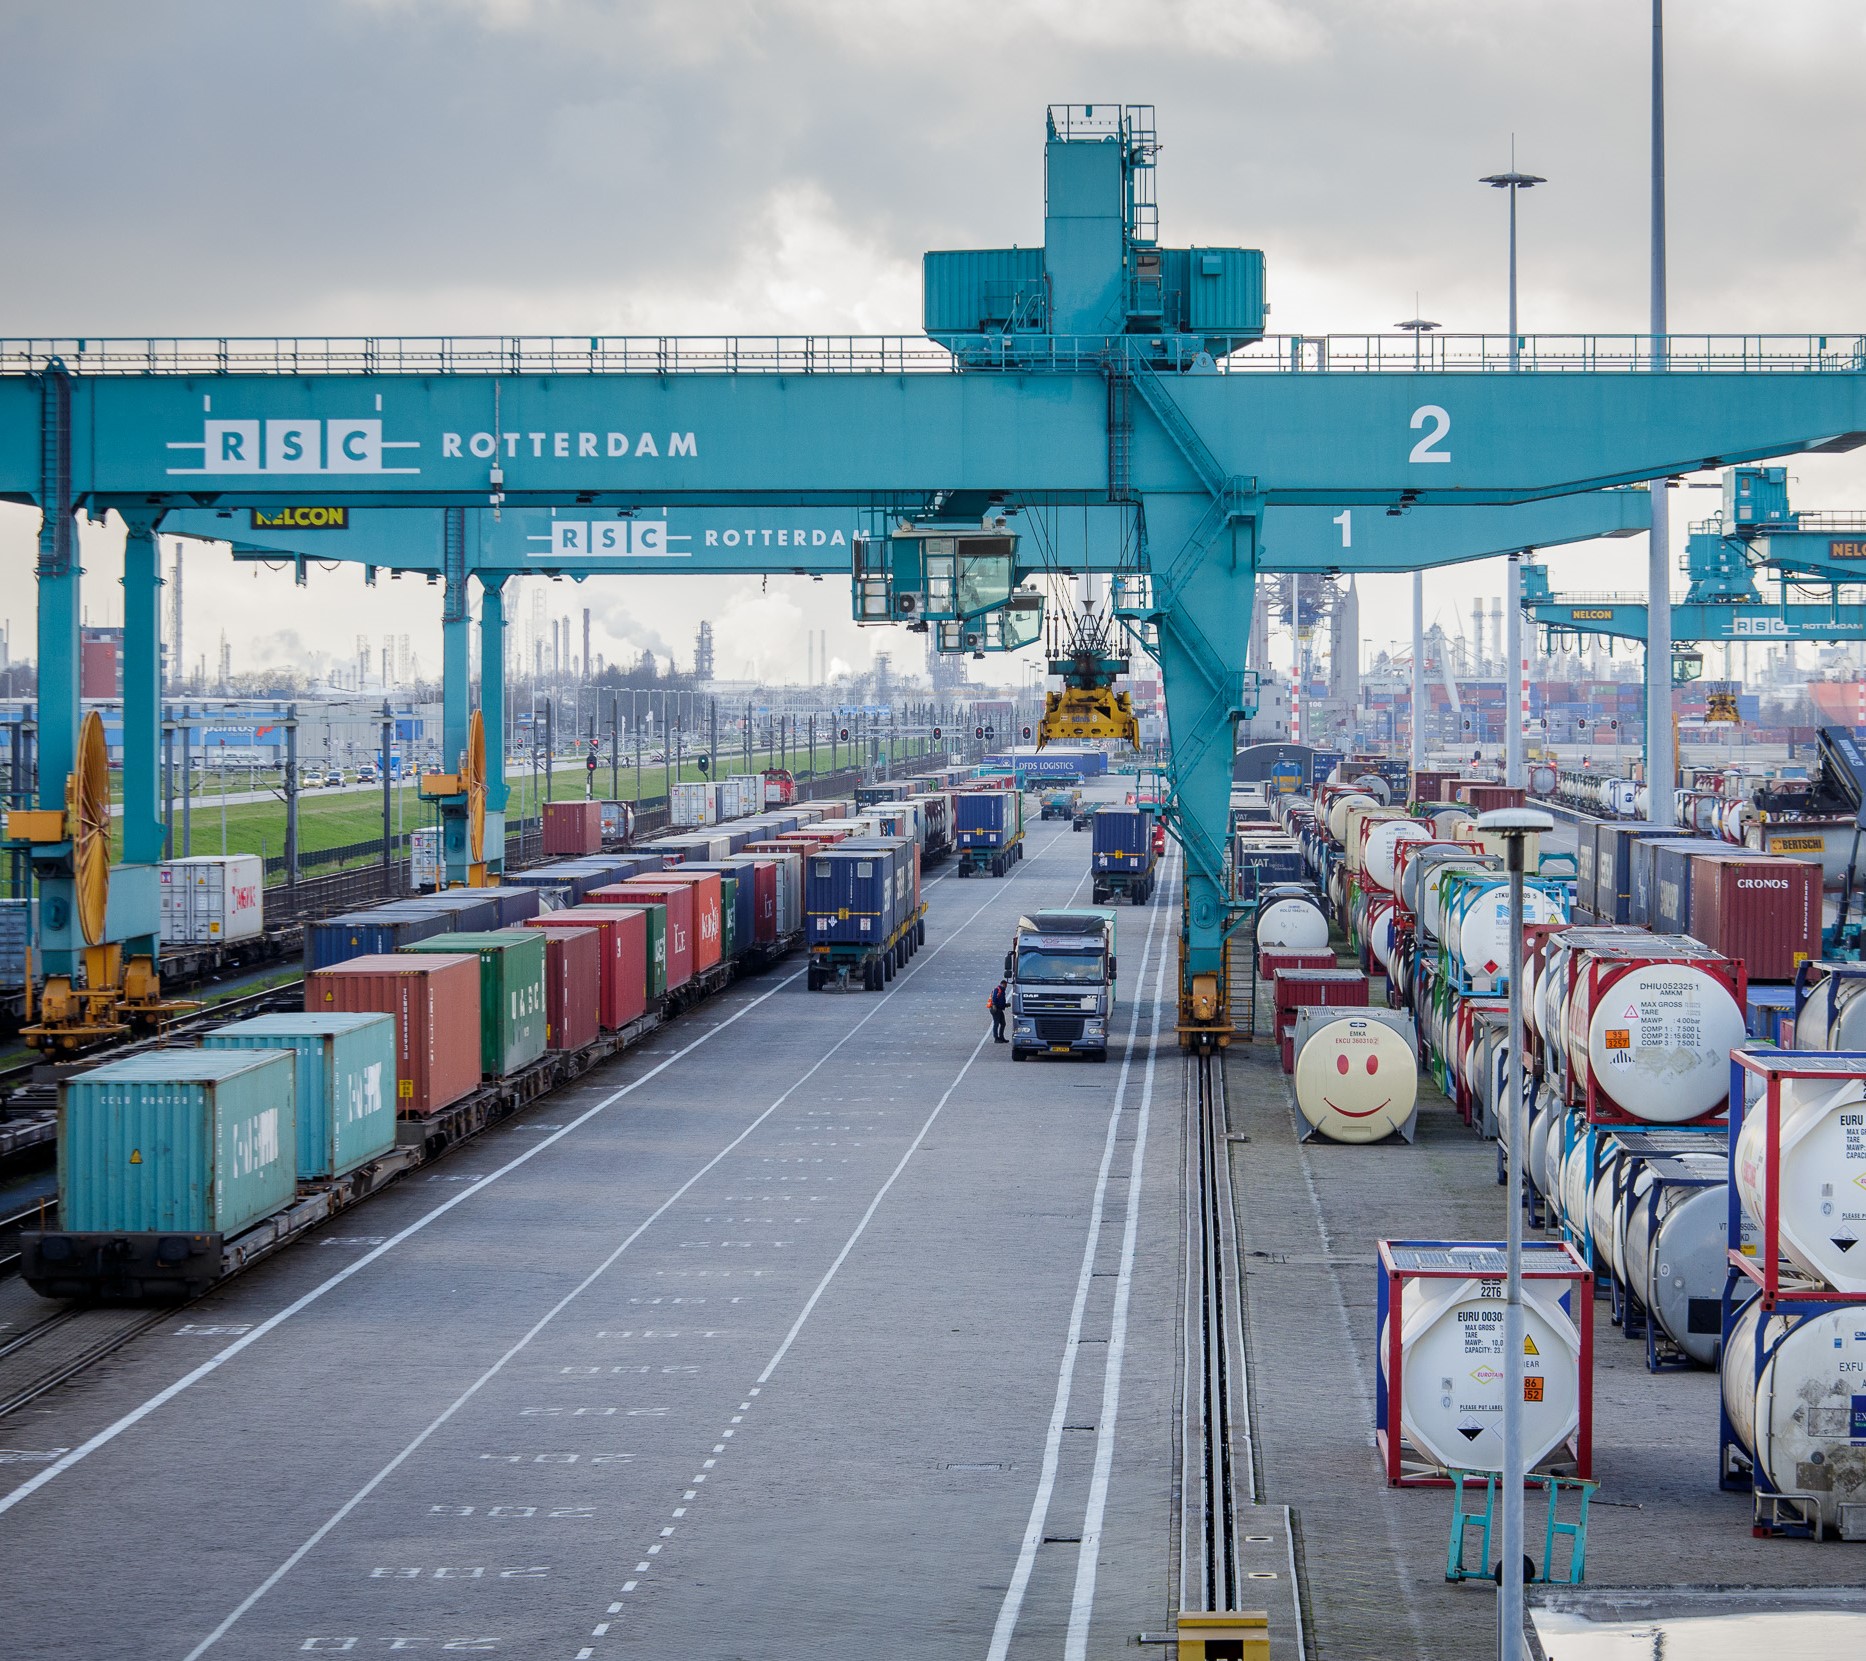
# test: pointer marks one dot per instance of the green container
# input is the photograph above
(345, 1082)
(728, 918)
(182, 1141)
(511, 994)
(657, 949)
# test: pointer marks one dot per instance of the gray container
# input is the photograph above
(19, 929)
(177, 1141)
(345, 1082)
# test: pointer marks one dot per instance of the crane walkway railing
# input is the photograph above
(917, 354)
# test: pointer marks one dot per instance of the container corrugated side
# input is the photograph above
(511, 995)
(435, 1002)
(572, 828)
(334, 940)
(676, 902)
(573, 976)
(708, 940)
(345, 1079)
(189, 1141)
(1764, 911)
(622, 989)
(474, 910)
(19, 929)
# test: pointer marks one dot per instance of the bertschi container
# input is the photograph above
(1760, 908)
(573, 828)
(193, 1141)
(511, 995)
(676, 902)
(345, 1083)
(573, 977)
(435, 1002)
(621, 989)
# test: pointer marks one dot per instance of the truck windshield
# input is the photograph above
(1060, 968)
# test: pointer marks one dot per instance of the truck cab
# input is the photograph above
(1061, 969)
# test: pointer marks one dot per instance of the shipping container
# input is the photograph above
(618, 822)
(573, 980)
(511, 995)
(435, 1002)
(693, 804)
(333, 940)
(686, 849)
(789, 858)
(988, 830)
(763, 878)
(903, 853)
(1642, 909)
(1611, 898)
(676, 902)
(708, 923)
(19, 933)
(1760, 910)
(628, 945)
(426, 868)
(472, 909)
(1671, 886)
(742, 904)
(212, 899)
(573, 829)
(344, 1070)
(188, 1141)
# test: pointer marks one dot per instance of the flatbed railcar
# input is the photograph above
(121, 1264)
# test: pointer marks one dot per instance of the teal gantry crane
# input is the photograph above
(1099, 371)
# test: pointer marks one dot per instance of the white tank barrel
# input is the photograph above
(1356, 1080)
(1821, 1187)
(1656, 1039)
(1292, 924)
(1676, 1248)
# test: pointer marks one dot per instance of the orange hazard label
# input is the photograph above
(1619, 1038)
(1532, 1388)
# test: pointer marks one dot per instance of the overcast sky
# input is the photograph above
(508, 166)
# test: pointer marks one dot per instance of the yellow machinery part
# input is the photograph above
(87, 813)
(1076, 714)
(473, 786)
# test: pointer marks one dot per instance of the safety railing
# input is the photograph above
(917, 354)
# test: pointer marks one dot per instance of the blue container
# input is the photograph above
(515, 904)
(1123, 840)
(987, 818)
(1671, 880)
(849, 897)
(364, 933)
(345, 1078)
(735, 895)
(1639, 911)
(182, 1141)
(1584, 844)
(474, 910)
(1612, 893)
(1258, 863)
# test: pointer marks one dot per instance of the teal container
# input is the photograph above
(728, 918)
(657, 949)
(345, 1078)
(177, 1141)
(512, 1026)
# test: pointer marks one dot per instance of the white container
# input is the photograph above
(1451, 1372)
(1357, 1077)
(1659, 1042)
(1292, 924)
(1477, 926)
(1834, 1016)
(1799, 1418)
(690, 805)
(424, 857)
(1821, 1202)
(618, 822)
(1340, 808)
(212, 899)
(1382, 845)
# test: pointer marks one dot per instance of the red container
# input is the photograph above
(1487, 798)
(678, 898)
(625, 956)
(1305, 988)
(573, 980)
(708, 937)
(435, 1002)
(573, 827)
(763, 874)
(1287, 1046)
(1272, 962)
(1761, 909)
(1431, 787)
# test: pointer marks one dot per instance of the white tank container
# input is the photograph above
(1657, 1039)
(1542, 779)
(1821, 1204)
(1431, 909)
(1356, 1080)
(1675, 1252)
(1477, 924)
(1292, 924)
(1339, 809)
(1451, 1373)
(1799, 1418)
(1381, 931)
(1834, 1017)
(1545, 1142)
(1382, 844)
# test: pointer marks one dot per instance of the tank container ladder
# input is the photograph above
(1463, 1520)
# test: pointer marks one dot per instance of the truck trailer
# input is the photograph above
(1123, 854)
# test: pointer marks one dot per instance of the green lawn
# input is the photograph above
(328, 819)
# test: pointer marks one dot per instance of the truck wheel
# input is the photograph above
(1100, 1055)
(920, 928)
(813, 980)
(887, 966)
(1019, 1055)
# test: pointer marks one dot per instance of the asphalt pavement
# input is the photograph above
(811, 1327)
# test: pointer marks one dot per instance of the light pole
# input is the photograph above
(1513, 181)
(1513, 827)
(1661, 751)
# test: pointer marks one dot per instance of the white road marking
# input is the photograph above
(1082, 1605)
(1052, 1445)
(473, 1389)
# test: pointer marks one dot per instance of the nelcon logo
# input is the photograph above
(295, 446)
